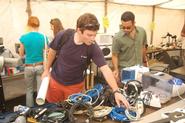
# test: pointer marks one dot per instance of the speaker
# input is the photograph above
(104, 39)
(105, 43)
(107, 50)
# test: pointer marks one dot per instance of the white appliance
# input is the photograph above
(107, 50)
(105, 43)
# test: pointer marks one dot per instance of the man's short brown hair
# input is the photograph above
(88, 21)
(33, 21)
(128, 16)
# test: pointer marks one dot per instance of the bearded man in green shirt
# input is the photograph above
(128, 48)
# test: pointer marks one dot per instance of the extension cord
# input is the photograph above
(101, 111)
(129, 114)
(140, 106)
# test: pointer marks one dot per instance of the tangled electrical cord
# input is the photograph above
(81, 105)
(132, 113)
(58, 115)
(118, 114)
(90, 96)
(86, 100)
(124, 115)
(101, 112)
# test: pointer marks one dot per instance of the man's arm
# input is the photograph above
(51, 57)
(108, 75)
(145, 61)
(115, 65)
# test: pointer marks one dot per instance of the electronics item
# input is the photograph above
(178, 90)
(159, 67)
(107, 50)
(139, 104)
(158, 83)
(157, 79)
(104, 39)
(161, 82)
(105, 43)
(133, 73)
(22, 110)
(127, 75)
(132, 90)
(163, 95)
(150, 99)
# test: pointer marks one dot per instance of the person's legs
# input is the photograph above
(68, 90)
(58, 92)
(29, 77)
(39, 70)
(54, 94)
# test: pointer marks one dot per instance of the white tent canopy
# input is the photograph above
(156, 20)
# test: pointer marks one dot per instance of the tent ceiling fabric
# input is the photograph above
(175, 4)
(14, 17)
(141, 2)
(169, 4)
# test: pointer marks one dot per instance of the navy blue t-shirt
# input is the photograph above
(72, 59)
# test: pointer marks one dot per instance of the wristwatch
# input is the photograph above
(116, 91)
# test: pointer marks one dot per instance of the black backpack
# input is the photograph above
(64, 38)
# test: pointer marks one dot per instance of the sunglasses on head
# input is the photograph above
(91, 26)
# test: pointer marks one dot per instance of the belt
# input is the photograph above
(34, 64)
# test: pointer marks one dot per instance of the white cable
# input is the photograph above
(179, 94)
(131, 117)
(178, 91)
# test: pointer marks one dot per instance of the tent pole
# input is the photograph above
(105, 12)
(153, 24)
(28, 8)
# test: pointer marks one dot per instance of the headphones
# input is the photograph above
(132, 90)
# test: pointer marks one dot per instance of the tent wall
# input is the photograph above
(14, 18)
(167, 20)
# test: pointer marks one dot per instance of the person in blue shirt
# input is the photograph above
(32, 45)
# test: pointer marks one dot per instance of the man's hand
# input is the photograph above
(120, 100)
(45, 73)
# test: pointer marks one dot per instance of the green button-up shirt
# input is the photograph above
(130, 51)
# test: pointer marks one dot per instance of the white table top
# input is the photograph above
(157, 114)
